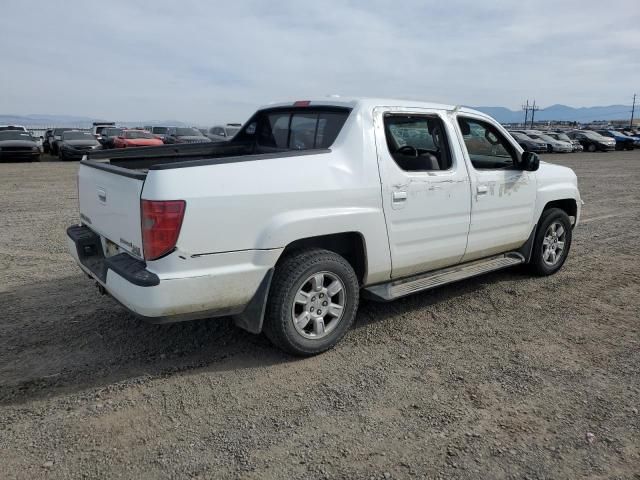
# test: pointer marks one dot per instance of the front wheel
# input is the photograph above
(552, 242)
(591, 148)
(312, 302)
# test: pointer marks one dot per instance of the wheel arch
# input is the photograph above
(569, 205)
(350, 245)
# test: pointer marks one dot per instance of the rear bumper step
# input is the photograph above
(91, 255)
(417, 283)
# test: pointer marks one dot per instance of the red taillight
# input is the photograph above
(302, 103)
(161, 222)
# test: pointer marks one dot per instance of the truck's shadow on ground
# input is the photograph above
(61, 336)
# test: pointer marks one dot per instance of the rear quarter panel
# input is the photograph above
(269, 203)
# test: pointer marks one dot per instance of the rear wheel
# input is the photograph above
(312, 302)
(552, 242)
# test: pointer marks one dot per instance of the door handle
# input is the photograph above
(482, 189)
(399, 197)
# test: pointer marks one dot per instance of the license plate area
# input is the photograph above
(111, 248)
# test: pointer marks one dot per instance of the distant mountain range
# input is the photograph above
(502, 114)
(561, 113)
(42, 120)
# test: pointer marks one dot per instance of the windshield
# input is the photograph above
(77, 136)
(112, 132)
(519, 136)
(58, 131)
(563, 137)
(137, 134)
(592, 135)
(16, 135)
(159, 130)
(547, 138)
(187, 132)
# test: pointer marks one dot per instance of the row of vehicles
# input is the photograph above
(71, 144)
(576, 140)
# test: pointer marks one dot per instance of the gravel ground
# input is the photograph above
(503, 376)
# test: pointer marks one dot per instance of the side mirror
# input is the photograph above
(530, 162)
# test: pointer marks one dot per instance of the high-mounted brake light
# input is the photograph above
(161, 222)
(302, 103)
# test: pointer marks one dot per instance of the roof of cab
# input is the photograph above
(367, 103)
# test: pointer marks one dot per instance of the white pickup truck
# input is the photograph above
(312, 204)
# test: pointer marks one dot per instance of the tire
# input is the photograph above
(591, 148)
(542, 261)
(309, 276)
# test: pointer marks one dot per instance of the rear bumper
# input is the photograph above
(19, 156)
(75, 154)
(227, 286)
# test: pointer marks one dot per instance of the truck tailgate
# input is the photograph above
(110, 204)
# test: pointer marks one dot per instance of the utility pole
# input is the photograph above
(526, 113)
(633, 109)
(534, 109)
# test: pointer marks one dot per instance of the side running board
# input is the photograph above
(426, 281)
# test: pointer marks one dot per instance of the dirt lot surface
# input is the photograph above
(503, 376)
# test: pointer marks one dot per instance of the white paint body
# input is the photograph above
(241, 216)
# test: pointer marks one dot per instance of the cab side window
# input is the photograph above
(488, 149)
(417, 142)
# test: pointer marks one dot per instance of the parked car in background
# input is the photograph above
(563, 137)
(57, 137)
(184, 135)
(529, 144)
(76, 143)
(223, 132)
(593, 141)
(556, 146)
(107, 136)
(623, 142)
(136, 138)
(160, 132)
(18, 145)
(355, 198)
(97, 128)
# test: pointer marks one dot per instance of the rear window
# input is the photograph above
(137, 134)
(15, 135)
(77, 136)
(159, 130)
(294, 129)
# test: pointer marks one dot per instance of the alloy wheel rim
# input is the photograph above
(553, 244)
(318, 306)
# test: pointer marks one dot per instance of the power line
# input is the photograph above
(633, 109)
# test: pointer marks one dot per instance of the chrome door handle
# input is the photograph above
(482, 189)
(399, 197)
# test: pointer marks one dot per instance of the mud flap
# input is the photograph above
(252, 317)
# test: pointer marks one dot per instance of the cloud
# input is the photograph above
(207, 62)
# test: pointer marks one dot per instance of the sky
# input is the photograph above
(215, 61)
